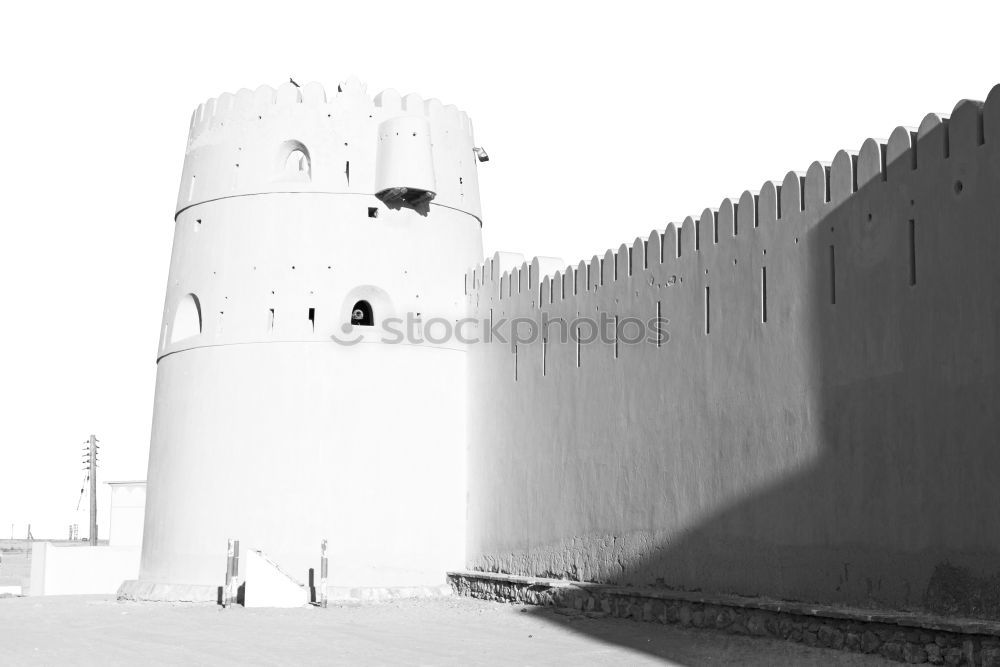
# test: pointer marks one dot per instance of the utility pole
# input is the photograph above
(90, 458)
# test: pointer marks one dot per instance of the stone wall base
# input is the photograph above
(900, 636)
(138, 590)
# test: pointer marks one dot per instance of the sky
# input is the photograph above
(603, 121)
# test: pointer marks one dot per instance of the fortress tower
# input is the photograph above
(303, 215)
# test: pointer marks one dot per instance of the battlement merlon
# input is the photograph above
(299, 139)
(822, 186)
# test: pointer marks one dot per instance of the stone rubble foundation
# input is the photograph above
(899, 636)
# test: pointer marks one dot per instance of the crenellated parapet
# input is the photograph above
(735, 235)
(304, 139)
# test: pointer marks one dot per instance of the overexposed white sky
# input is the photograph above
(602, 121)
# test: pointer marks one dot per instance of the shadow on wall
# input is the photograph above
(895, 367)
(899, 508)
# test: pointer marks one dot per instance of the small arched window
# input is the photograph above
(297, 163)
(362, 315)
(294, 162)
(187, 318)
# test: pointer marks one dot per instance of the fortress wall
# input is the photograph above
(842, 451)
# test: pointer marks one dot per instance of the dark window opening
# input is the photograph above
(372, 212)
(312, 319)
(362, 315)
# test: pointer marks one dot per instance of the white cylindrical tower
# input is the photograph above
(265, 429)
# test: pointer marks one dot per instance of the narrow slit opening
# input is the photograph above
(833, 276)
(545, 349)
(913, 252)
(659, 323)
(616, 336)
(708, 310)
(763, 294)
(578, 345)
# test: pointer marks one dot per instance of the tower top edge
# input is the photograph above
(247, 104)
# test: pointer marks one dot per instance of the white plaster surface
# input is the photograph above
(266, 431)
(77, 570)
(268, 586)
(128, 507)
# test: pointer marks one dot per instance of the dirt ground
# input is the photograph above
(91, 630)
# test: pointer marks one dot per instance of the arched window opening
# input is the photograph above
(294, 163)
(187, 319)
(362, 315)
(297, 163)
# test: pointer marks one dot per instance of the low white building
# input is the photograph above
(78, 568)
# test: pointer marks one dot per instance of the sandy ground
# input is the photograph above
(444, 631)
